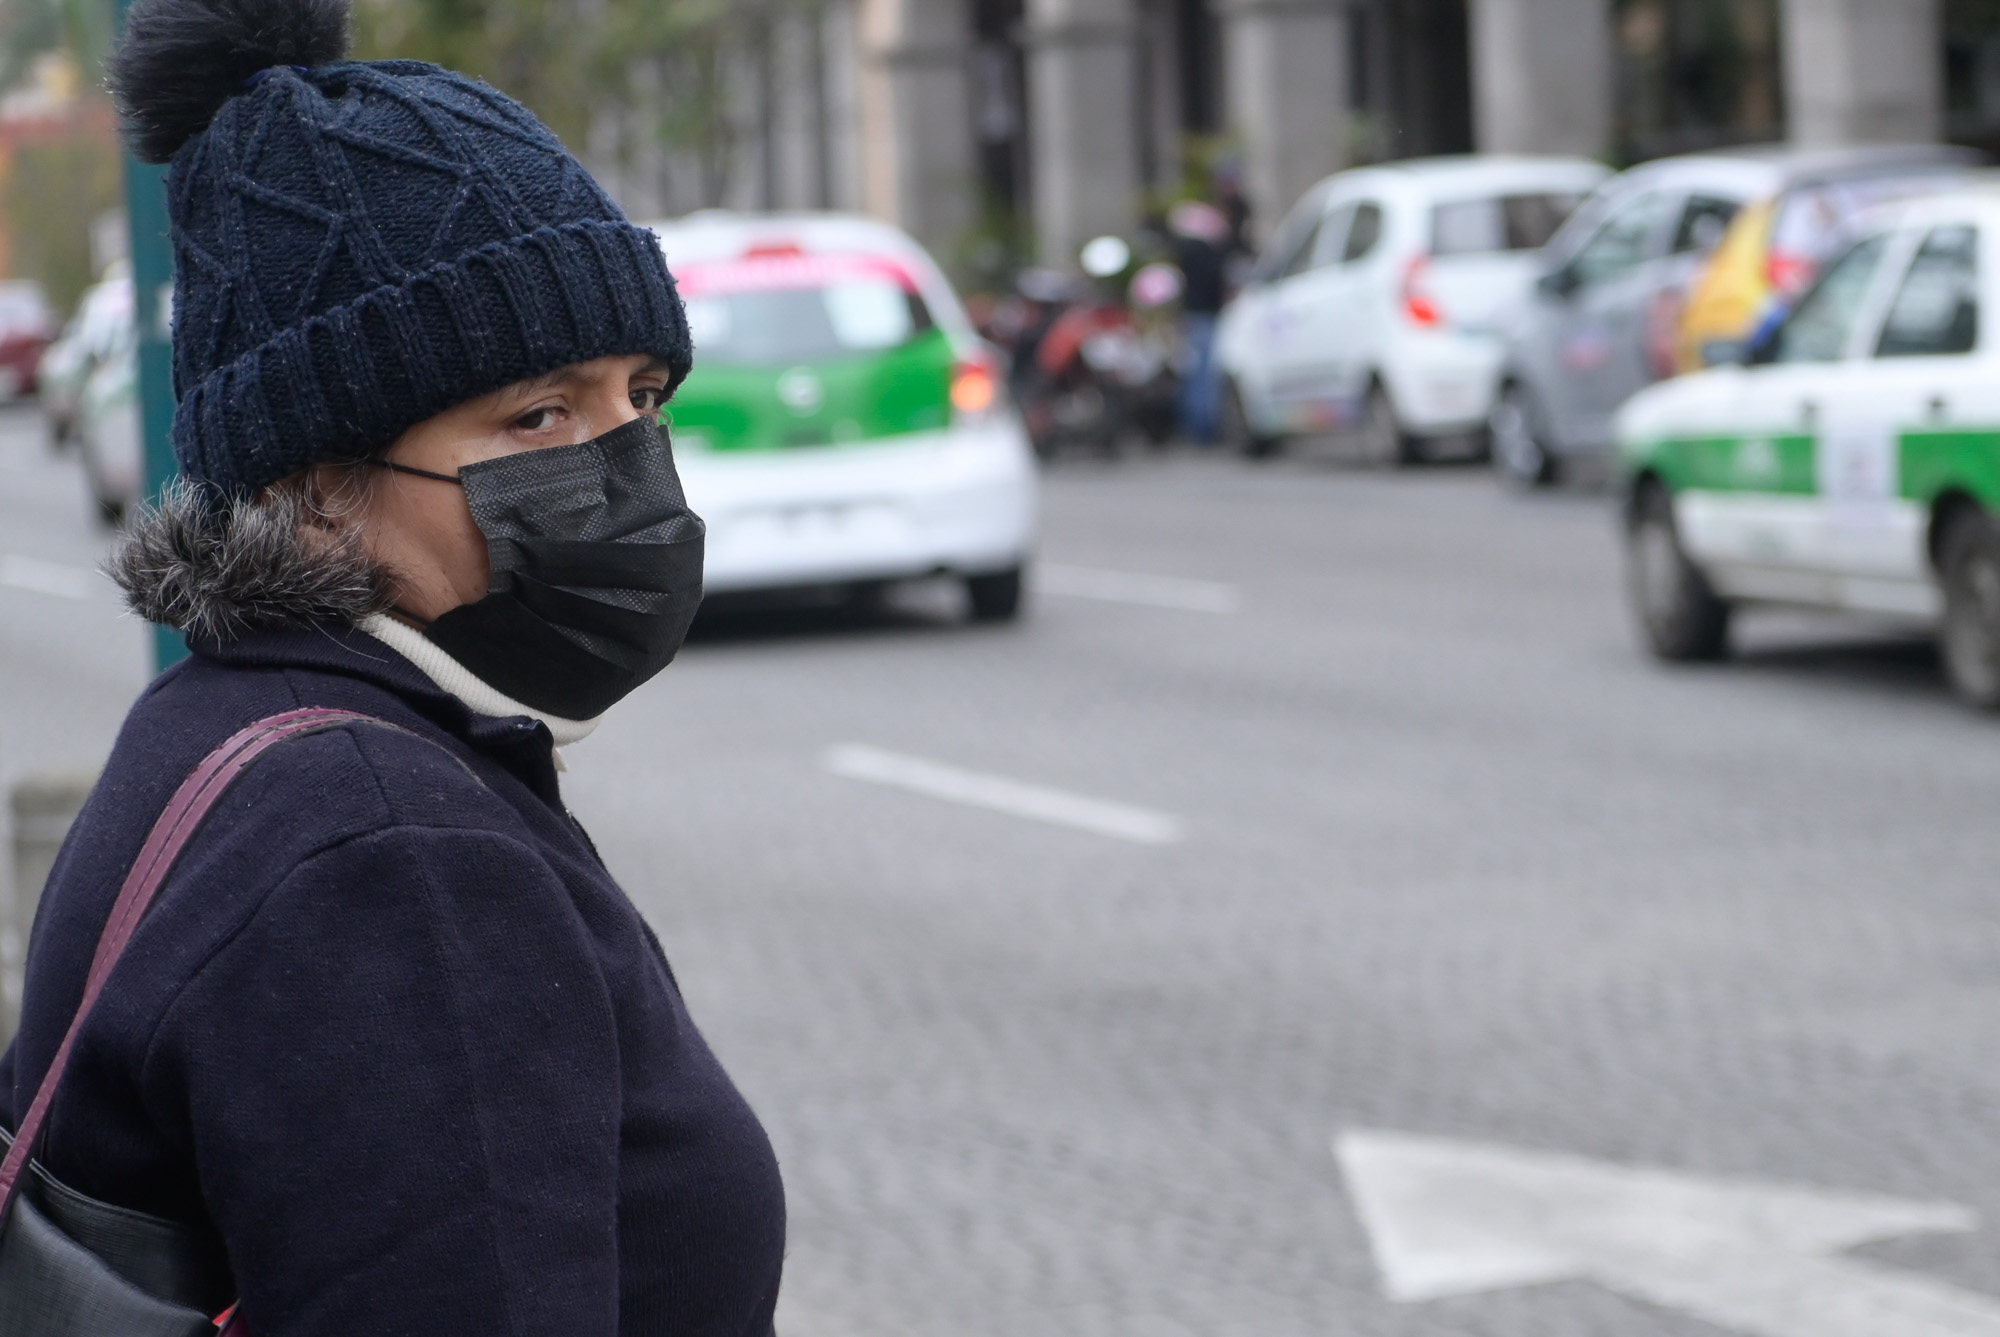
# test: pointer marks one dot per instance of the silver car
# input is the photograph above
(1605, 316)
(103, 321)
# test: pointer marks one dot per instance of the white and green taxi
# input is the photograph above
(1852, 461)
(844, 426)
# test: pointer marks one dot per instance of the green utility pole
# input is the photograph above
(152, 308)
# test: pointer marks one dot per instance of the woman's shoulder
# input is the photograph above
(376, 773)
(392, 766)
(324, 837)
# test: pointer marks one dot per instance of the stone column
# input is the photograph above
(798, 119)
(1541, 76)
(1285, 83)
(841, 75)
(1082, 123)
(1863, 71)
(919, 167)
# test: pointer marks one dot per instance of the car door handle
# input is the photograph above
(1938, 408)
(1809, 414)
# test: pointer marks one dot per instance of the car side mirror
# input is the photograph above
(1558, 283)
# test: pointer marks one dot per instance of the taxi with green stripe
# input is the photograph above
(1850, 461)
(844, 426)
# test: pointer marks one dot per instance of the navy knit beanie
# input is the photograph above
(359, 246)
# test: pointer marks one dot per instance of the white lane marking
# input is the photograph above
(52, 578)
(1453, 1218)
(1132, 587)
(857, 761)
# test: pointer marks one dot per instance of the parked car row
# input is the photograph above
(1518, 302)
(1677, 264)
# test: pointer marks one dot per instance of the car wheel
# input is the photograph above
(1517, 441)
(995, 597)
(1382, 438)
(1970, 637)
(110, 507)
(1681, 615)
(867, 598)
(1239, 432)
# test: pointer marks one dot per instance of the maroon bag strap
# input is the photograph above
(170, 834)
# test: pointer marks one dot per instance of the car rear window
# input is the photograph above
(1500, 223)
(749, 314)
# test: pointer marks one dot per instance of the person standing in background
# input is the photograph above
(1200, 234)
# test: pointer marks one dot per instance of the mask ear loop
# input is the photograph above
(418, 473)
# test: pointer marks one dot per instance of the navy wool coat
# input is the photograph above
(392, 1028)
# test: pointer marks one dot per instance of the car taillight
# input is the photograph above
(1787, 274)
(1418, 305)
(975, 387)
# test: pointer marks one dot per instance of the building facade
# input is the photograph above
(1000, 130)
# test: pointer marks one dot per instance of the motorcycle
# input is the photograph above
(1091, 370)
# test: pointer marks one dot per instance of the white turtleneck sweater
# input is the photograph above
(457, 679)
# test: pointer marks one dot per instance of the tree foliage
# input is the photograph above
(32, 28)
(48, 201)
(646, 74)
(57, 181)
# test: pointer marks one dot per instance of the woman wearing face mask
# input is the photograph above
(390, 1036)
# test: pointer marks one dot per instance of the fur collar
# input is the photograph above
(218, 568)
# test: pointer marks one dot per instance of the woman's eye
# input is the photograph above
(536, 420)
(649, 398)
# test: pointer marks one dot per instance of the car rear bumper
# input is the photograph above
(1443, 382)
(960, 500)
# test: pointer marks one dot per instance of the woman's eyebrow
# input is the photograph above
(563, 375)
(535, 385)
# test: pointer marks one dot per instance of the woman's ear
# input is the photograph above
(335, 495)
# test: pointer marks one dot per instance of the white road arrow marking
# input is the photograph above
(1452, 1218)
(997, 793)
(1132, 587)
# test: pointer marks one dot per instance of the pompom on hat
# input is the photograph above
(361, 245)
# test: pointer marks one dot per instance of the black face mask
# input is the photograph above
(596, 564)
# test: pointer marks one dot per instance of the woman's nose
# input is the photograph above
(609, 408)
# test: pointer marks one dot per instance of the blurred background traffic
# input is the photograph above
(1210, 503)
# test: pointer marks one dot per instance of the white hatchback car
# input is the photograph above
(844, 424)
(1381, 303)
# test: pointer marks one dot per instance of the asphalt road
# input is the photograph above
(1433, 849)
